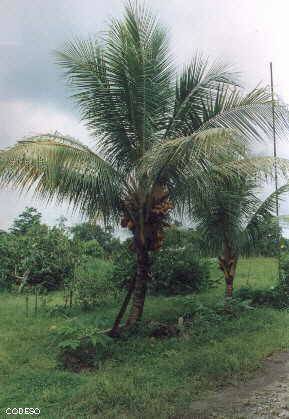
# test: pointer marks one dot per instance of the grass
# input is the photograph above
(146, 377)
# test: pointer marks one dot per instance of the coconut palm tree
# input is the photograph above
(230, 218)
(153, 130)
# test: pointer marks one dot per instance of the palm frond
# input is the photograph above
(250, 115)
(199, 152)
(124, 86)
(262, 168)
(198, 83)
(61, 168)
(267, 206)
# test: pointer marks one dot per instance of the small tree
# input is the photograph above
(8, 257)
(90, 231)
(230, 217)
(49, 256)
(28, 219)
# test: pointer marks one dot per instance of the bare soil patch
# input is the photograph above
(264, 396)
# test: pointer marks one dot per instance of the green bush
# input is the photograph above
(174, 270)
(49, 255)
(85, 232)
(284, 275)
(46, 254)
(8, 258)
(93, 248)
(93, 282)
(178, 271)
(81, 348)
(124, 265)
(197, 312)
(273, 297)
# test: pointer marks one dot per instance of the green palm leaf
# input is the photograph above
(250, 115)
(63, 168)
(124, 85)
(198, 83)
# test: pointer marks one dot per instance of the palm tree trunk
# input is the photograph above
(228, 264)
(142, 276)
(229, 286)
(115, 328)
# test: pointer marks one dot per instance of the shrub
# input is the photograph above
(174, 270)
(46, 253)
(284, 275)
(8, 254)
(93, 248)
(273, 297)
(124, 265)
(81, 348)
(85, 232)
(93, 282)
(49, 255)
(59, 310)
(178, 271)
(198, 312)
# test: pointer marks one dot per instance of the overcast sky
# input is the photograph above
(33, 99)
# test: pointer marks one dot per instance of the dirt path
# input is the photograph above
(264, 396)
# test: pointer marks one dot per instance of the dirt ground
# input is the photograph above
(264, 396)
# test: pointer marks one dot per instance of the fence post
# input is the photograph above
(70, 298)
(65, 296)
(43, 300)
(36, 302)
(26, 304)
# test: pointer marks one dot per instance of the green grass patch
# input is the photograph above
(145, 377)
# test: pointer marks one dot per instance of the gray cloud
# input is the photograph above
(33, 97)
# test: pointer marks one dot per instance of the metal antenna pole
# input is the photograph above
(275, 165)
(274, 140)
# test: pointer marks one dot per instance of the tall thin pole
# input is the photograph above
(274, 140)
(275, 165)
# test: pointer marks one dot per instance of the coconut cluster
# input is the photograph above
(154, 224)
